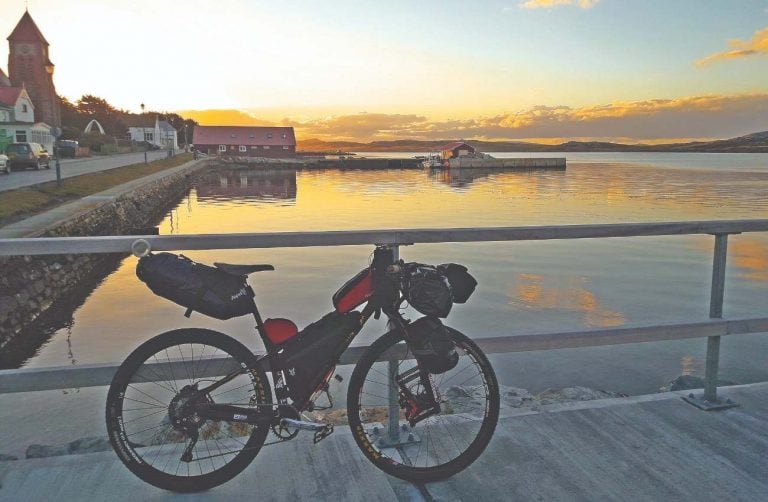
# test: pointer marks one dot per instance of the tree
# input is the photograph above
(91, 107)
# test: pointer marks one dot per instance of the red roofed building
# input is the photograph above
(456, 149)
(240, 141)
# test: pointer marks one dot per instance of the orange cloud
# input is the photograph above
(757, 45)
(224, 117)
(547, 4)
(654, 121)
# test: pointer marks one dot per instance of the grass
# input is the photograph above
(23, 202)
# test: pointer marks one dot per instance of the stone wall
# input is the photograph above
(31, 285)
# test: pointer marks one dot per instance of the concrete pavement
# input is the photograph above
(654, 447)
(74, 167)
(36, 224)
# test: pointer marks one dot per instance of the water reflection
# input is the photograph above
(247, 185)
(524, 287)
(536, 292)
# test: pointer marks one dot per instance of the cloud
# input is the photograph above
(653, 121)
(548, 4)
(224, 117)
(757, 45)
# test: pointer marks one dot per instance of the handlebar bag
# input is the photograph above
(426, 289)
(197, 287)
(462, 282)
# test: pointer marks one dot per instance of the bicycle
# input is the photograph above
(190, 408)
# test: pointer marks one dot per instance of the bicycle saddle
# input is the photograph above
(242, 269)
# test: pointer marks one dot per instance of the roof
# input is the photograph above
(455, 145)
(9, 95)
(4, 80)
(27, 31)
(165, 126)
(143, 120)
(240, 135)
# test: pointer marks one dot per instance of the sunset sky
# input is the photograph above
(623, 70)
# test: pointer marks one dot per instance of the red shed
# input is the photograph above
(237, 141)
(456, 149)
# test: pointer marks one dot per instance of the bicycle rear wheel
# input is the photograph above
(151, 387)
(439, 445)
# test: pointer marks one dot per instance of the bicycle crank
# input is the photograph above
(321, 430)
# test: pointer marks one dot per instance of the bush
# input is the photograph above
(97, 142)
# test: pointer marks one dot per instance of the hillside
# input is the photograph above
(751, 143)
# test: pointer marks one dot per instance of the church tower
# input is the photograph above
(29, 66)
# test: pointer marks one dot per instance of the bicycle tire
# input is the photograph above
(454, 420)
(157, 382)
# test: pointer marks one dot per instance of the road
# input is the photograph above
(74, 167)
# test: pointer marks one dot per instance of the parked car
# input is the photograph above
(4, 167)
(67, 148)
(27, 155)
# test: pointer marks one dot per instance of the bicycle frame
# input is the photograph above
(281, 409)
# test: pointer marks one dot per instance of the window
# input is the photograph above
(254, 148)
(24, 108)
(21, 136)
(286, 147)
(149, 136)
(284, 137)
(266, 147)
(243, 148)
(269, 136)
(222, 148)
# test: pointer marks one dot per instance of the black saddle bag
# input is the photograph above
(307, 358)
(197, 287)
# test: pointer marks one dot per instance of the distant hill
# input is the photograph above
(751, 143)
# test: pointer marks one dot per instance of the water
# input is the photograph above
(524, 287)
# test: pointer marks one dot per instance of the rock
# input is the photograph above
(686, 382)
(89, 445)
(516, 398)
(7, 458)
(42, 451)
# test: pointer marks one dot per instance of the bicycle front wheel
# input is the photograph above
(443, 443)
(145, 410)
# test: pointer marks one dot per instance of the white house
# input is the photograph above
(152, 130)
(17, 119)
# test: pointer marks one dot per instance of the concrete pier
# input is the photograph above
(557, 163)
(654, 447)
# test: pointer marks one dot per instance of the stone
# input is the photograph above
(89, 445)
(42, 451)
(7, 305)
(687, 382)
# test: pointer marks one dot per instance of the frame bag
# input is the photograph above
(197, 287)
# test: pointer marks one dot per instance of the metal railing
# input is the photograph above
(100, 374)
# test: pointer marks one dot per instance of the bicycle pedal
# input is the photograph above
(320, 435)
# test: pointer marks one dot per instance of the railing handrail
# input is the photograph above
(97, 375)
(122, 244)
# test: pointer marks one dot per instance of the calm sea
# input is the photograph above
(524, 287)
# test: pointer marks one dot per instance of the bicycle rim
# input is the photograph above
(437, 446)
(150, 388)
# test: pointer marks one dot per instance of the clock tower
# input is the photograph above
(30, 66)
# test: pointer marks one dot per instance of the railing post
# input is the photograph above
(394, 406)
(710, 401)
(715, 312)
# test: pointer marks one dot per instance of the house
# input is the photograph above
(17, 119)
(239, 141)
(150, 128)
(456, 149)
